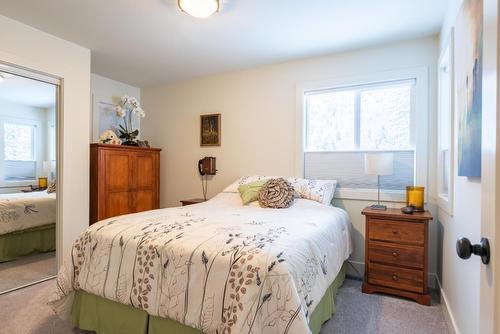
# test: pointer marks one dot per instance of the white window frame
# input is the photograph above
(444, 202)
(419, 125)
(37, 151)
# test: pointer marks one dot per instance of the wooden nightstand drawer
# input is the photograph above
(400, 255)
(396, 231)
(396, 277)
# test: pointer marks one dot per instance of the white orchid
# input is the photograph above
(128, 106)
(120, 112)
(134, 103)
(138, 111)
(125, 100)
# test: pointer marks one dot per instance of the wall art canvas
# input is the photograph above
(210, 130)
(468, 81)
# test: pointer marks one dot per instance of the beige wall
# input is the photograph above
(258, 108)
(33, 49)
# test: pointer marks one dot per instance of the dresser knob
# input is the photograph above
(395, 277)
(395, 254)
(395, 232)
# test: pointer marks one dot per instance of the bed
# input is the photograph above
(214, 267)
(27, 224)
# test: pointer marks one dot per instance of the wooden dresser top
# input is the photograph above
(124, 147)
(396, 213)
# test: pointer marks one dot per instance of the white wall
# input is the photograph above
(258, 108)
(460, 279)
(107, 90)
(33, 49)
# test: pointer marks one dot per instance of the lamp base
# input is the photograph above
(378, 207)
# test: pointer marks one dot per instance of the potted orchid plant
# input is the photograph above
(126, 109)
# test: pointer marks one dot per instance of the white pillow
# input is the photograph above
(233, 187)
(321, 191)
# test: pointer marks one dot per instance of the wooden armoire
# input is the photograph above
(123, 179)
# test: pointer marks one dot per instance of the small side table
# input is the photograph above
(396, 258)
(192, 201)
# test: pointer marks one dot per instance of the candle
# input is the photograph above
(415, 197)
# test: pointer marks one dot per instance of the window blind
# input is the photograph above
(348, 169)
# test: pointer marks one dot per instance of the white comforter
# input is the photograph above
(20, 211)
(218, 266)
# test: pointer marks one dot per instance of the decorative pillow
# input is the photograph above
(51, 187)
(249, 192)
(233, 187)
(276, 194)
(321, 191)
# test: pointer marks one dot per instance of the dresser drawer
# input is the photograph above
(395, 277)
(402, 255)
(396, 231)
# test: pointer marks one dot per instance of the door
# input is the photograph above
(490, 179)
(145, 181)
(118, 166)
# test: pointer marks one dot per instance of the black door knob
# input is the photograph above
(465, 249)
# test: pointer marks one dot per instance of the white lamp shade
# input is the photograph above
(379, 163)
(199, 8)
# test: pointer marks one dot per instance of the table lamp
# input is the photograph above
(379, 164)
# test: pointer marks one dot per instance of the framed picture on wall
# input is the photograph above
(210, 130)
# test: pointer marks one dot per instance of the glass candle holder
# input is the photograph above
(42, 182)
(415, 197)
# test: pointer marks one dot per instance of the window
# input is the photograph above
(19, 152)
(445, 129)
(343, 123)
(52, 142)
(365, 117)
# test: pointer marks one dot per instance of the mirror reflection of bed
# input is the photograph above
(27, 181)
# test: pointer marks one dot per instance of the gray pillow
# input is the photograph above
(276, 194)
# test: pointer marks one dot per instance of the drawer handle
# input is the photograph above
(395, 254)
(395, 232)
(395, 277)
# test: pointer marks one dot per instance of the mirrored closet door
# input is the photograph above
(28, 206)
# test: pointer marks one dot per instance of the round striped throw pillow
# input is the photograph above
(276, 194)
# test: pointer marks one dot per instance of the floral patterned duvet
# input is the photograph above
(219, 266)
(20, 211)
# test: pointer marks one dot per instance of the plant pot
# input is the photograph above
(130, 143)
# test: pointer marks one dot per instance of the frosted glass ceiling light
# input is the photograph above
(199, 8)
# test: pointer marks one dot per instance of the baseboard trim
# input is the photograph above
(357, 269)
(448, 315)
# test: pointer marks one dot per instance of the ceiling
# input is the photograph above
(33, 93)
(150, 42)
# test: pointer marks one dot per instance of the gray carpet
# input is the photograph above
(28, 269)
(356, 313)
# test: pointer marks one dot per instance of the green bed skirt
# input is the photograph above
(33, 240)
(103, 316)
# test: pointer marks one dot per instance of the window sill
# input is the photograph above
(371, 195)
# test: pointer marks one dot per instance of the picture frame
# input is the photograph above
(210, 130)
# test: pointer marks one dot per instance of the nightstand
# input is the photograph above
(192, 201)
(396, 256)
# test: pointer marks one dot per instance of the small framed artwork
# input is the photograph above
(210, 130)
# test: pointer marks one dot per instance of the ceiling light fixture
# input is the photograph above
(199, 8)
